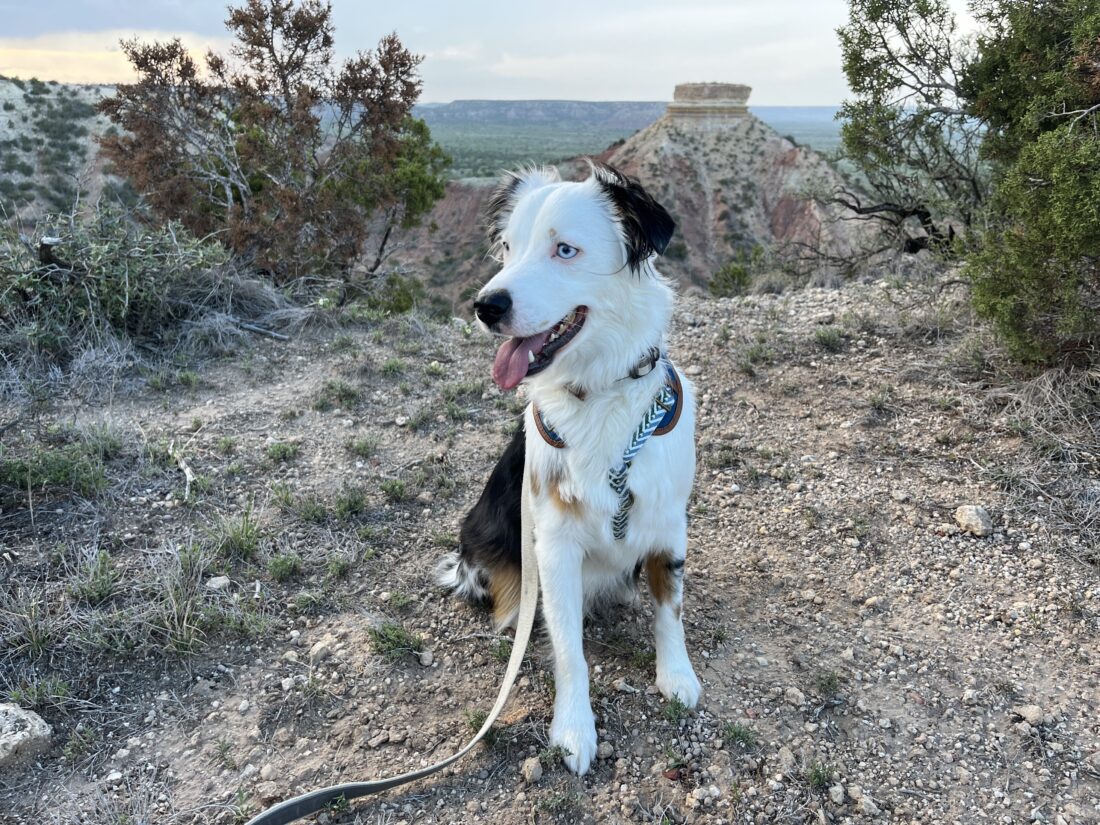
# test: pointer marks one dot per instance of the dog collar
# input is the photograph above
(672, 407)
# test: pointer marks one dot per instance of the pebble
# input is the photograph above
(217, 583)
(267, 772)
(794, 696)
(605, 750)
(426, 658)
(1032, 714)
(531, 770)
(974, 520)
(321, 650)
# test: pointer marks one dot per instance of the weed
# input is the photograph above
(96, 579)
(80, 741)
(675, 710)
(239, 538)
(475, 719)
(284, 566)
(227, 445)
(73, 466)
(435, 370)
(734, 733)
(189, 379)
(394, 490)
(829, 338)
(828, 684)
(282, 451)
(393, 367)
(223, 755)
(336, 393)
(818, 776)
(51, 692)
(441, 539)
(393, 641)
(350, 502)
(643, 659)
(338, 567)
(307, 603)
(454, 412)
(400, 600)
(552, 757)
(501, 650)
(363, 447)
(26, 623)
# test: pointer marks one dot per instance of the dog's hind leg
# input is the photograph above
(675, 675)
(486, 568)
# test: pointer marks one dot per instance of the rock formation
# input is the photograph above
(731, 182)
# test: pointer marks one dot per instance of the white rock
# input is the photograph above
(531, 770)
(242, 708)
(786, 761)
(605, 750)
(974, 520)
(836, 793)
(794, 696)
(321, 649)
(267, 772)
(114, 776)
(217, 583)
(426, 658)
(23, 735)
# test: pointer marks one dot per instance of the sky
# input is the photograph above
(611, 50)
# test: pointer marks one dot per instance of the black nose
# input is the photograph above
(492, 307)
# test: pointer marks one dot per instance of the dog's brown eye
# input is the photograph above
(566, 251)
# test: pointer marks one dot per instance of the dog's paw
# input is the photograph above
(575, 733)
(680, 682)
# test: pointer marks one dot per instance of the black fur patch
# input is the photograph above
(491, 534)
(500, 205)
(647, 226)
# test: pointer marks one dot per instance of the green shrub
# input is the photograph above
(1036, 274)
(735, 277)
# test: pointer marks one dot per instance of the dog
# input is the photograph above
(585, 312)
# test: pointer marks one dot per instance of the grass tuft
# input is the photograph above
(393, 641)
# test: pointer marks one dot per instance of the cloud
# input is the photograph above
(86, 57)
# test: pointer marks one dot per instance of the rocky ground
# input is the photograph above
(202, 649)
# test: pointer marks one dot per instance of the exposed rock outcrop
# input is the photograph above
(730, 181)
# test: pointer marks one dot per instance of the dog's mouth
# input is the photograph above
(519, 357)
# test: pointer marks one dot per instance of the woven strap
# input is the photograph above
(306, 804)
(617, 476)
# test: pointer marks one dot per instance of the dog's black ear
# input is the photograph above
(509, 189)
(647, 226)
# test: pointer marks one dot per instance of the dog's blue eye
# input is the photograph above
(566, 251)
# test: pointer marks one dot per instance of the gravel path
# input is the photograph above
(863, 658)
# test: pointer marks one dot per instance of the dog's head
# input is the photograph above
(576, 291)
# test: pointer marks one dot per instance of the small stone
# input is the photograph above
(425, 497)
(867, 806)
(426, 658)
(380, 739)
(693, 369)
(794, 696)
(848, 654)
(291, 656)
(786, 761)
(286, 684)
(622, 687)
(217, 583)
(836, 794)
(605, 750)
(1032, 714)
(321, 649)
(267, 772)
(531, 770)
(114, 776)
(23, 734)
(974, 520)
(242, 708)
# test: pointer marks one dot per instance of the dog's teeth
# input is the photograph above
(530, 357)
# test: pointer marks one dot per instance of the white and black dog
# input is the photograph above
(586, 313)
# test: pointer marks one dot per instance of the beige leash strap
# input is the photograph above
(306, 804)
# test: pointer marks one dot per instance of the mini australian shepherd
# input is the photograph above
(585, 312)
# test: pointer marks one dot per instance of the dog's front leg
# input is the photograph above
(675, 675)
(574, 727)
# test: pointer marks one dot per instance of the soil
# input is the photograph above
(862, 658)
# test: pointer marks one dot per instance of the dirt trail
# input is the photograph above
(862, 659)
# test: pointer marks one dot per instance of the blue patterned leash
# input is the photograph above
(617, 476)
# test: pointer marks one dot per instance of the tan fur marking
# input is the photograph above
(659, 577)
(566, 503)
(536, 485)
(504, 587)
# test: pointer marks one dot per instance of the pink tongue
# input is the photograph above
(510, 365)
